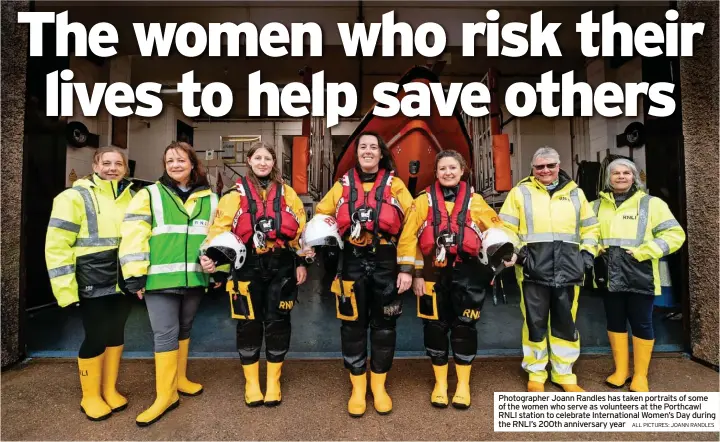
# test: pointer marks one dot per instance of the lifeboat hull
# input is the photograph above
(412, 139)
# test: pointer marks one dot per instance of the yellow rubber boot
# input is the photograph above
(535, 387)
(439, 395)
(92, 403)
(273, 395)
(186, 387)
(621, 356)
(381, 400)
(642, 353)
(356, 404)
(253, 394)
(571, 388)
(166, 370)
(461, 399)
(111, 367)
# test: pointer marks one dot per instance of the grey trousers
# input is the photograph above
(171, 316)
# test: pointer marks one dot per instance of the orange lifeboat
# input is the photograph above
(412, 138)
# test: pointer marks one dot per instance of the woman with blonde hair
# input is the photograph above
(268, 217)
(81, 252)
(636, 230)
(164, 227)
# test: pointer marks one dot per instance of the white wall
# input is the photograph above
(604, 130)
(531, 133)
(149, 138)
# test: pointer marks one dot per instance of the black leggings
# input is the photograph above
(621, 307)
(104, 323)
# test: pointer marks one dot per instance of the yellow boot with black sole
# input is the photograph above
(381, 400)
(166, 371)
(642, 353)
(185, 386)
(439, 395)
(92, 403)
(461, 399)
(621, 357)
(273, 394)
(111, 367)
(253, 393)
(357, 403)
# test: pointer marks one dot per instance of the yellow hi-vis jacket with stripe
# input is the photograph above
(82, 239)
(161, 238)
(552, 230)
(480, 212)
(642, 224)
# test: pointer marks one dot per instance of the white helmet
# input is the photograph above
(496, 247)
(225, 248)
(321, 230)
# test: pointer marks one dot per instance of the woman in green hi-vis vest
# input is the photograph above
(164, 226)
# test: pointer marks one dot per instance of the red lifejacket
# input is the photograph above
(387, 216)
(439, 222)
(254, 211)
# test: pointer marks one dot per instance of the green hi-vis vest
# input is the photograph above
(176, 239)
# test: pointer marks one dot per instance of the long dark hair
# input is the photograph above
(275, 174)
(387, 161)
(198, 177)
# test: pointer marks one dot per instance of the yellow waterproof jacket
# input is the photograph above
(81, 246)
(230, 204)
(136, 231)
(329, 203)
(408, 250)
(642, 224)
(552, 229)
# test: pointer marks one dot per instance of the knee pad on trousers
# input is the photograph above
(382, 348)
(277, 339)
(566, 332)
(463, 339)
(249, 340)
(353, 337)
(436, 341)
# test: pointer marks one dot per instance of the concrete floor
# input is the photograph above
(40, 401)
(316, 331)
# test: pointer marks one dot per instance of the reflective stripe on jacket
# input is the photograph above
(82, 239)
(553, 229)
(644, 225)
(161, 237)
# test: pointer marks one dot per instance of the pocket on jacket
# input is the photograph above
(627, 274)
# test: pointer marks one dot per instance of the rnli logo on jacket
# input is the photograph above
(630, 217)
(472, 314)
(200, 223)
(564, 198)
(286, 305)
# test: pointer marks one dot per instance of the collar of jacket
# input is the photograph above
(100, 185)
(634, 192)
(168, 182)
(564, 182)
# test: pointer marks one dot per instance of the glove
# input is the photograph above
(521, 256)
(588, 260)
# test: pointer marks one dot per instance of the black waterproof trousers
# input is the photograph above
(453, 299)
(366, 297)
(268, 292)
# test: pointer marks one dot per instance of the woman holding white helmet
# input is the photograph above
(267, 216)
(446, 222)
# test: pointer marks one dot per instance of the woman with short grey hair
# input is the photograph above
(636, 230)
